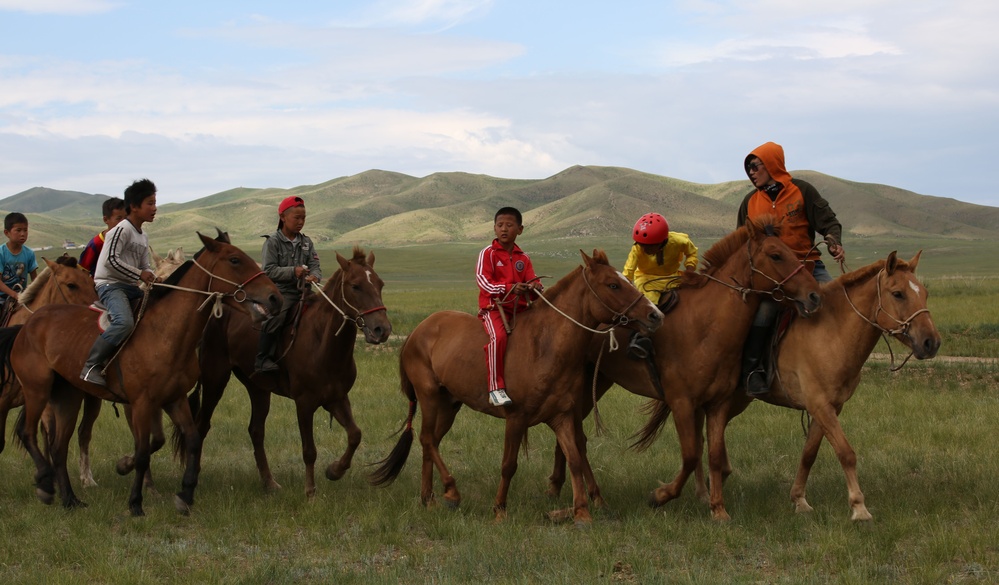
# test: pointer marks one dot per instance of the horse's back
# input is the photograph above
(445, 348)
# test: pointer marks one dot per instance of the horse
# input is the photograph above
(820, 360)
(442, 367)
(697, 350)
(163, 267)
(61, 281)
(154, 369)
(316, 368)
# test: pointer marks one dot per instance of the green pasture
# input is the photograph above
(923, 437)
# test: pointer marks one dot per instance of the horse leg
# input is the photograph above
(141, 419)
(684, 419)
(180, 413)
(27, 429)
(557, 479)
(828, 418)
(343, 414)
(260, 407)
(717, 459)
(808, 454)
(10, 397)
(514, 436)
(306, 416)
(565, 431)
(700, 485)
(437, 416)
(64, 409)
(91, 410)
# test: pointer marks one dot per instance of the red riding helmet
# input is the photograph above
(651, 228)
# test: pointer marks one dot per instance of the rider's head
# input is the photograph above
(651, 232)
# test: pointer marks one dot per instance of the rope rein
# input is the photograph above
(358, 320)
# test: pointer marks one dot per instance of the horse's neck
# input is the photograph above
(843, 322)
(717, 310)
(175, 317)
(325, 321)
(570, 301)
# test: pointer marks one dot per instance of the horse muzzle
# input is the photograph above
(808, 306)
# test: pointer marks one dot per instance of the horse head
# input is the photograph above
(777, 269)
(62, 282)
(358, 289)
(902, 307)
(238, 278)
(620, 302)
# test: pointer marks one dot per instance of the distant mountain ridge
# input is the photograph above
(391, 209)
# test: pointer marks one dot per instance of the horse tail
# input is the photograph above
(176, 436)
(7, 336)
(389, 468)
(658, 412)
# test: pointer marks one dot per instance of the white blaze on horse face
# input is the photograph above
(914, 287)
(368, 272)
(623, 277)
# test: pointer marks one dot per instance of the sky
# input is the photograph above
(202, 97)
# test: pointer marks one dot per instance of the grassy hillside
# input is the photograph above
(387, 209)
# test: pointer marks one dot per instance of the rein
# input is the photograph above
(239, 295)
(776, 293)
(358, 319)
(886, 334)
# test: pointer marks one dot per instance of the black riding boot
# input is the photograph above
(99, 354)
(754, 369)
(265, 353)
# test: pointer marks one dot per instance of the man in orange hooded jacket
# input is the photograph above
(802, 212)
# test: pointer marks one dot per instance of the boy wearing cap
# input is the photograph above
(289, 259)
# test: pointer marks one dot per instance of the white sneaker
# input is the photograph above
(498, 397)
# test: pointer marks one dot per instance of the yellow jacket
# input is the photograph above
(653, 278)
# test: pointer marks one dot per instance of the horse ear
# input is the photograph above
(586, 259)
(915, 261)
(210, 244)
(600, 256)
(50, 263)
(223, 236)
(157, 259)
(371, 259)
(343, 262)
(891, 263)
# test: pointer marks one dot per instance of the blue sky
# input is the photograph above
(207, 96)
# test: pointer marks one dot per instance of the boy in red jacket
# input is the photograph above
(505, 275)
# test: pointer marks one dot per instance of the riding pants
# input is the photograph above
(496, 348)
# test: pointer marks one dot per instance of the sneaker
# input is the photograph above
(498, 397)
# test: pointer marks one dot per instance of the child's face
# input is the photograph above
(146, 211)
(651, 249)
(116, 216)
(294, 220)
(17, 234)
(507, 229)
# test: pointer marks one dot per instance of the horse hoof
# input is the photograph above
(182, 507)
(44, 496)
(654, 501)
(583, 524)
(125, 465)
(271, 486)
(335, 471)
(558, 516)
(74, 504)
(451, 504)
(88, 482)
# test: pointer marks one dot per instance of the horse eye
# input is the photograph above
(776, 257)
(896, 294)
(234, 261)
(614, 286)
(72, 286)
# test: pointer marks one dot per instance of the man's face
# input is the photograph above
(17, 233)
(147, 209)
(294, 220)
(116, 216)
(507, 229)
(758, 173)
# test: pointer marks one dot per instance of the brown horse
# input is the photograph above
(820, 360)
(442, 367)
(155, 368)
(697, 350)
(316, 368)
(61, 281)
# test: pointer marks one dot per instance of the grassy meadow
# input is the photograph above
(923, 437)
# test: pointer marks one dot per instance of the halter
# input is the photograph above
(777, 292)
(901, 330)
(358, 318)
(238, 295)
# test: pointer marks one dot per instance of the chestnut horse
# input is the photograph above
(316, 367)
(61, 281)
(820, 360)
(698, 348)
(442, 367)
(155, 368)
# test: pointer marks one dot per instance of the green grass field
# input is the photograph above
(923, 438)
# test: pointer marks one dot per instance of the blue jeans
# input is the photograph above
(820, 273)
(117, 298)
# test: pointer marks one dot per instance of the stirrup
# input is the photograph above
(640, 347)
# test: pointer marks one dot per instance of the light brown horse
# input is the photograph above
(820, 361)
(155, 369)
(316, 367)
(442, 367)
(61, 281)
(698, 347)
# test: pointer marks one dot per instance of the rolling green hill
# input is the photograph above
(387, 209)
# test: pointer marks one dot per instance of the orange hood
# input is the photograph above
(772, 155)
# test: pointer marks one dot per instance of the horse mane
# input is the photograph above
(598, 255)
(723, 249)
(865, 273)
(357, 257)
(159, 292)
(28, 295)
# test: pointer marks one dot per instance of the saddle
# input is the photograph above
(7, 309)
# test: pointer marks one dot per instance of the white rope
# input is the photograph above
(612, 343)
(330, 301)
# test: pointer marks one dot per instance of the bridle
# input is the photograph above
(238, 295)
(777, 292)
(358, 318)
(902, 329)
